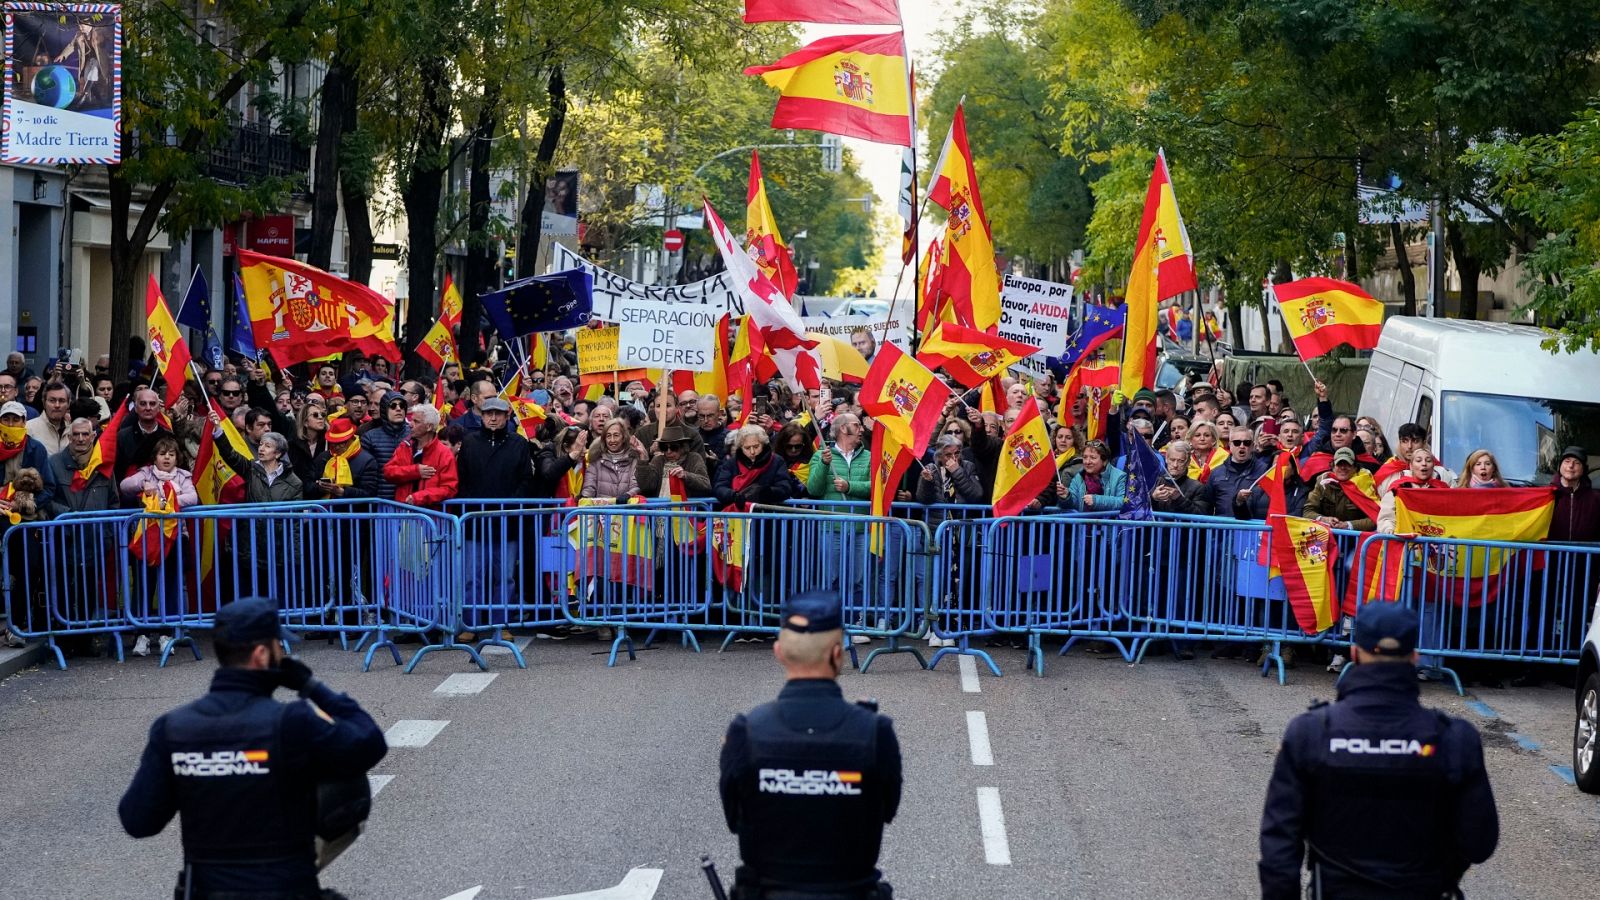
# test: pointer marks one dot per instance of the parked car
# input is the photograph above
(1586, 730)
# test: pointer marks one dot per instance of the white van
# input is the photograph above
(1485, 385)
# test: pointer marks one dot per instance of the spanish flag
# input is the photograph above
(1026, 463)
(1163, 267)
(438, 346)
(166, 342)
(104, 454)
(743, 356)
(968, 278)
(850, 84)
(832, 12)
(301, 313)
(904, 396)
(527, 414)
(1322, 313)
(1477, 514)
(1273, 483)
(969, 355)
(1304, 550)
(761, 233)
(932, 306)
(890, 459)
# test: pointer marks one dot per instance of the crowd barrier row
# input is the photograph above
(370, 572)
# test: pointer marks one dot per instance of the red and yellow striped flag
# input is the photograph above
(1163, 267)
(969, 277)
(904, 396)
(1026, 463)
(1304, 550)
(969, 355)
(850, 84)
(834, 12)
(438, 346)
(1322, 313)
(890, 459)
(1477, 514)
(166, 342)
(761, 235)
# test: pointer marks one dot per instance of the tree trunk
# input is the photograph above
(124, 265)
(354, 186)
(1352, 256)
(1236, 325)
(421, 198)
(1408, 278)
(338, 95)
(1468, 268)
(533, 206)
(481, 252)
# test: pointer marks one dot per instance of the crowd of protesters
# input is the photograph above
(358, 430)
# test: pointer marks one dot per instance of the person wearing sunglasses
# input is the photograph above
(1231, 487)
(384, 433)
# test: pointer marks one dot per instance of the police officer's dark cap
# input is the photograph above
(249, 620)
(809, 612)
(1386, 628)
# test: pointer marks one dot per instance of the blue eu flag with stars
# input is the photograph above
(1144, 468)
(1097, 321)
(553, 302)
(196, 309)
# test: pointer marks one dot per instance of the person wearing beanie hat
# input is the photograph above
(1377, 794)
(345, 470)
(384, 433)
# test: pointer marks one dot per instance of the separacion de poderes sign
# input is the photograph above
(63, 84)
(655, 335)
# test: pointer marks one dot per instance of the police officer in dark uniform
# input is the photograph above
(242, 770)
(1380, 796)
(809, 780)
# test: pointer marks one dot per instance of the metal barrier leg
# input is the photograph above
(1441, 672)
(449, 643)
(964, 649)
(61, 658)
(1275, 657)
(617, 643)
(850, 647)
(382, 641)
(179, 637)
(727, 640)
(894, 646)
(1035, 657)
(502, 642)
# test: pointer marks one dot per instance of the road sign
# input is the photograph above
(672, 240)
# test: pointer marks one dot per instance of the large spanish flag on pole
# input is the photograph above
(1304, 550)
(831, 12)
(1163, 267)
(850, 84)
(300, 313)
(969, 278)
(1026, 463)
(1322, 313)
(969, 355)
(166, 342)
(904, 396)
(761, 233)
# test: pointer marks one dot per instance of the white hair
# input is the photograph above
(424, 414)
(753, 431)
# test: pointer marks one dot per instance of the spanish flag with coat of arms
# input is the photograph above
(1472, 574)
(1304, 551)
(1321, 314)
(1026, 463)
(854, 85)
(904, 396)
(1163, 267)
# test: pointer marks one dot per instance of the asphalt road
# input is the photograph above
(1112, 780)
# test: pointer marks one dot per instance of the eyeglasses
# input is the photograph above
(1338, 430)
(315, 417)
(227, 393)
(397, 405)
(1240, 443)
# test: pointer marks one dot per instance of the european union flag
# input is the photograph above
(1144, 468)
(1098, 321)
(196, 309)
(244, 339)
(553, 302)
(213, 350)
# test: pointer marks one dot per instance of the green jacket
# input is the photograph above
(857, 472)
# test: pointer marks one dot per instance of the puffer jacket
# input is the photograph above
(381, 440)
(772, 485)
(404, 471)
(612, 476)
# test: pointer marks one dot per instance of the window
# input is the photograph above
(1526, 435)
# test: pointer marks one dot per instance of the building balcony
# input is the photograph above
(250, 153)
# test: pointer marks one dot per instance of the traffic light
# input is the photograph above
(832, 153)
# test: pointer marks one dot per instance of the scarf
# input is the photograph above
(745, 473)
(12, 440)
(1474, 483)
(1091, 483)
(1361, 491)
(337, 469)
(1201, 471)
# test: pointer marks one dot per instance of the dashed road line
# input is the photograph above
(497, 650)
(1525, 742)
(969, 673)
(378, 782)
(1565, 774)
(466, 683)
(414, 732)
(978, 738)
(1482, 709)
(992, 825)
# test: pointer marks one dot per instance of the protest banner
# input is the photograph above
(1036, 312)
(597, 350)
(658, 335)
(894, 330)
(716, 293)
(63, 84)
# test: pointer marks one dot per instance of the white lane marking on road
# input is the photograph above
(467, 894)
(378, 782)
(638, 884)
(414, 732)
(992, 824)
(969, 673)
(978, 738)
(466, 683)
(497, 650)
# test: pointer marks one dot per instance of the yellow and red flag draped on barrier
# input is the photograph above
(153, 538)
(833, 12)
(1273, 483)
(1376, 578)
(301, 313)
(1026, 463)
(969, 355)
(104, 455)
(1499, 514)
(166, 342)
(688, 535)
(438, 346)
(969, 278)
(1304, 550)
(1163, 267)
(1322, 313)
(904, 396)
(890, 460)
(761, 235)
(849, 84)
(616, 546)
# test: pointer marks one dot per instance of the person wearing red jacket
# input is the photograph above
(422, 470)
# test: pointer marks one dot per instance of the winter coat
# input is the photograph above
(32, 456)
(856, 472)
(1113, 491)
(302, 454)
(381, 439)
(612, 477)
(1191, 499)
(259, 487)
(696, 477)
(550, 466)
(1329, 499)
(495, 465)
(772, 485)
(133, 487)
(366, 477)
(1577, 514)
(1227, 480)
(135, 448)
(99, 494)
(403, 470)
(52, 440)
(961, 486)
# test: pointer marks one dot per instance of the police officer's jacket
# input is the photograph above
(808, 782)
(1390, 798)
(242, 770)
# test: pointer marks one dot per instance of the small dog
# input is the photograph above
(26, 485)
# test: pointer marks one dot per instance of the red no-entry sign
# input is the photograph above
(672, 240)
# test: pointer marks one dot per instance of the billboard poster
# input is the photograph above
(63, 83)
(561, 203)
